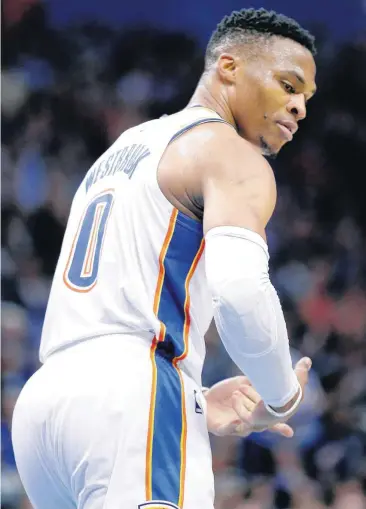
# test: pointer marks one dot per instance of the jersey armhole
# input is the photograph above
(163, 199)
(194, 124)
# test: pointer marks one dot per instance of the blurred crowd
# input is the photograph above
(67, 95)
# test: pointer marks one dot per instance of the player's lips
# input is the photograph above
(288, 128)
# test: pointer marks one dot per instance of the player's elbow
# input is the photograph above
(237, 276)
(236, 267)
(245, 288)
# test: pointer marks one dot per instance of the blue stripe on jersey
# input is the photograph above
(168, 428)
(183, 248)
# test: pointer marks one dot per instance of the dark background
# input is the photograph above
(74, 76)
(197, 18)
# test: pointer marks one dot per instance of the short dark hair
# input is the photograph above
(254, 25)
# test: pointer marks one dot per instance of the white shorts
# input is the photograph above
(105, 424)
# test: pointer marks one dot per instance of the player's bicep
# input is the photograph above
(239, 190)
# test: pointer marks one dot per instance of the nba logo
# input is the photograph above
(198, 405)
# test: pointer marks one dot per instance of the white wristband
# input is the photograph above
(289, 412)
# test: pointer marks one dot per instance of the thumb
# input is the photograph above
(303, 364)
(282, 429)
(302, 369)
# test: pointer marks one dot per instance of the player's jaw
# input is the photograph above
(279, 131)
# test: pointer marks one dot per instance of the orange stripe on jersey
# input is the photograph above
(159, 286)
(149, 447)
(187, 303)
(164, 249)
(187, 322)
(183, 442)
(182, 243)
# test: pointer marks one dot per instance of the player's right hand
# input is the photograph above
(260, 418)
(222, 418)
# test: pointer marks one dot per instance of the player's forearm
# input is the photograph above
(248, 313)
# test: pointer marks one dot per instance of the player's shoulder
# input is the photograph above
(218, 141)
(217, 150)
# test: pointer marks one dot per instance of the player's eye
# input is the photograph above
(288, 87)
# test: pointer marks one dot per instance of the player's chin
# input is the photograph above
(271, 146)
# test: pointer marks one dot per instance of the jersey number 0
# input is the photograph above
(81, 271)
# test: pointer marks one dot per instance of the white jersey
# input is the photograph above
(130, 261)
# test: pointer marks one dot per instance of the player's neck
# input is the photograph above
(205, 96)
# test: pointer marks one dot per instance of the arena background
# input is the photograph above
(75, 75)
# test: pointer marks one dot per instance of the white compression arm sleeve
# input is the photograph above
(248, 313)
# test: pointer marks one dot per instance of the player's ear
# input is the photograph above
(227, 66)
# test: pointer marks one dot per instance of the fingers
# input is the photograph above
(240, 405)
(244, 402)
(250, 394)
(282, 429)
(244, 408)
(239, 426)
(243, 380)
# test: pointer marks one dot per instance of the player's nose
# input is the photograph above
(297, 107)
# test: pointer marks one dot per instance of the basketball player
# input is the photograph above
(166, 231)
